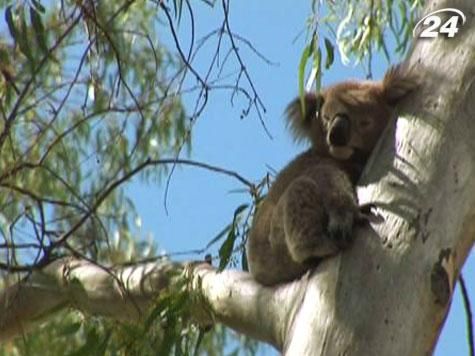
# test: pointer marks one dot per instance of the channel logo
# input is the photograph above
(432, 25)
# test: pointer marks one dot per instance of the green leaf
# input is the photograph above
(102, 347)
(22, 38)
(317, 64)
(307, 52)
(70, 329)
(10, 22)
(90, 346)
(403, 15)
(239, 210)
(178, 9)
(330, 53)
(39, 28)
(38, 6)
(4, 56)
(227, 247)
(226, 250)
(154, 314)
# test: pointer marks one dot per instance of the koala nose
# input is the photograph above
(340, 130)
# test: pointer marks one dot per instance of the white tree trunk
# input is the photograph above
(388, 294)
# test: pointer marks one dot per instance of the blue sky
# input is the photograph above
(201, 203)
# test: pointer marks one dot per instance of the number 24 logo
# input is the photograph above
(432, 23)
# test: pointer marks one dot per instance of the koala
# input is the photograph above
(311, 207)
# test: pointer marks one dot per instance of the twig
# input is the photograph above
(116, 52)
(149, 162)
(13, 114)
(258, 104)
(254, 99)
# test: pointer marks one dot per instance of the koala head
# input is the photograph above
(346, 120)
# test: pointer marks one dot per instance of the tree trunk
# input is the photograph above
(388, 294)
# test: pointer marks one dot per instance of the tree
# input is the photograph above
(425, 246)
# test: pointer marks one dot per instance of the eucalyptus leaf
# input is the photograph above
(307, 52)
(330, 53)
(39, 30)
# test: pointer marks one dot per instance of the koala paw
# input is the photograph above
(368, 214)
(340, 228)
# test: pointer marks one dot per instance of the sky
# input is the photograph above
(201, 203)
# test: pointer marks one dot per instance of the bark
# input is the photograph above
(387, 295)
(126, 293)
(390, 293)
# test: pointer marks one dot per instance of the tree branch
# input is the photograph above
(126, 293)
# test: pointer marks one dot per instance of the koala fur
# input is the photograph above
(311, 207)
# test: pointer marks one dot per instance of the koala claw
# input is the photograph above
(368, 214)
(340, 229)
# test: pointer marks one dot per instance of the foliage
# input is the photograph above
(363, 30)
(71, 333)
(86, 97)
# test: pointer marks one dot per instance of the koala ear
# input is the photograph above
(398, 83)
(300, 122)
